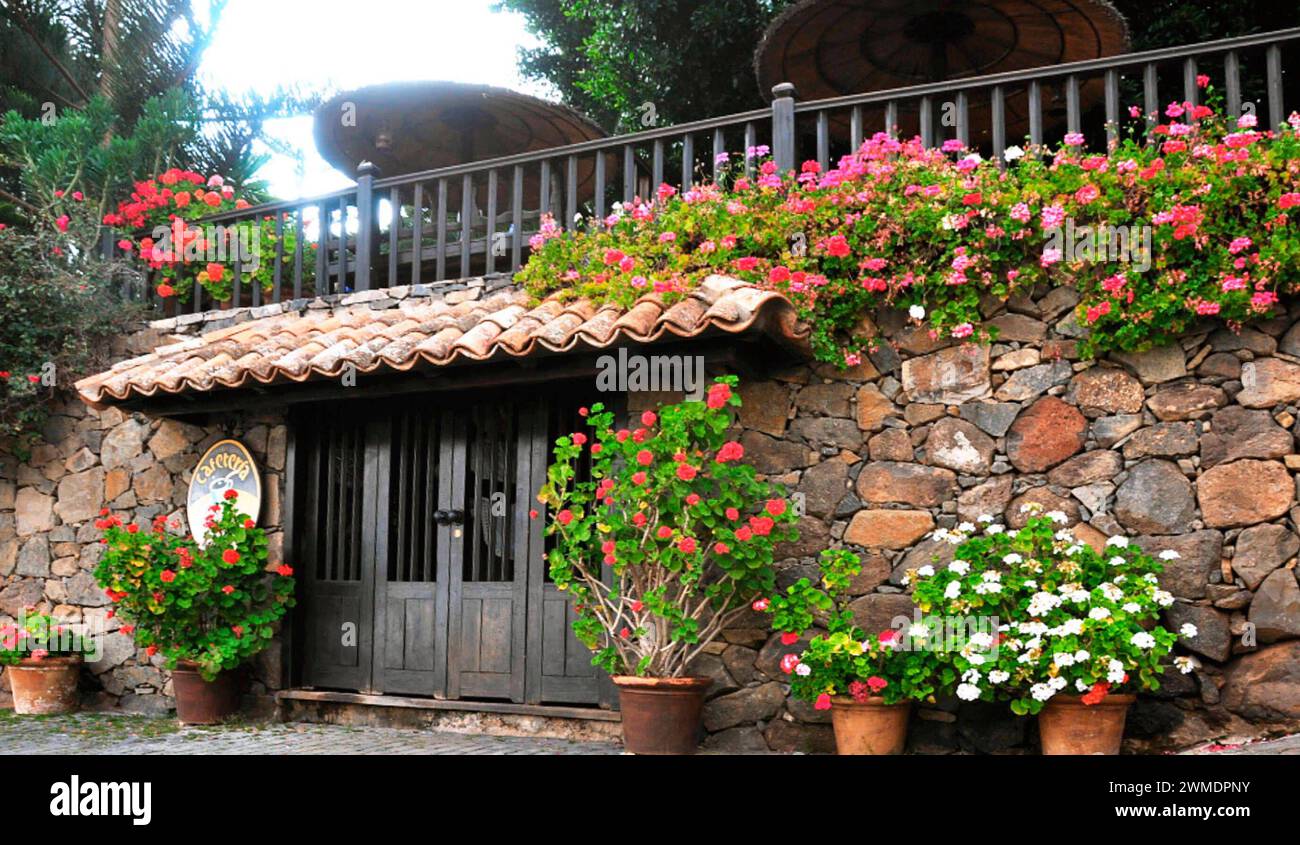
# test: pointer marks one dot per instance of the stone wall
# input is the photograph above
(140, 467)
(1190, 447)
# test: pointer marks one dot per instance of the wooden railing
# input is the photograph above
(475, 219)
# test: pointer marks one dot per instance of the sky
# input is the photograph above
(337, 45)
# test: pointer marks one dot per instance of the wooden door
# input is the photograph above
(412, 551)
(337, 551)
(488, 554)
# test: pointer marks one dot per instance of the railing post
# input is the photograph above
(783, 152)
(367, 220)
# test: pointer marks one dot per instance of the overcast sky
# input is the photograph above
(334, 45)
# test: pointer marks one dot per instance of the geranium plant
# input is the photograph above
(1071, 620)
(216, 605)
(940, 231)
(38, 636)
(667, 538)
(166, 214)
(894, 665)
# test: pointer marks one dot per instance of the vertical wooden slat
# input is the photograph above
(1112, 107)
(688, 161)
(963, 118)
(891, 118)
(571, 193)
(197, 297)
(1273, 71)
(440, 220)
(298, 247)
(342, 277)
(1073, 117)
(490, 246)
(998, 117)
(322, 249)
(927, 122)
(404, 513)
(255, 288)
(394, 232)
(545, 195)
(237, 285)
(1035, 112)
(466, 221)
(657, 166)
(598, 201)
(855, 127)
(751, 140)
(417, 231)
(629, 174)
(429, 570)
(1189, 82)
(330, 528)
(278, 271)
(517, 218)
(1150, 95)
(358, 502)
(1232, 83)
(823, 140)
(719, 147)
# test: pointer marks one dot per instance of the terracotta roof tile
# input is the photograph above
(298, 345)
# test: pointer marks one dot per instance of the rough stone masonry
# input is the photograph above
(1190, 447)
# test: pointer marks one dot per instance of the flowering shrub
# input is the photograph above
(891, 665)
(667, 538)
(1073, 621)
(38, 636)
(934, 231)
(177, 201)
(216, 605)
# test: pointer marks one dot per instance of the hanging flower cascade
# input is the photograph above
(1196, 219)
(166, 215)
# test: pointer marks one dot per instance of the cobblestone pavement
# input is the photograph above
(92, 733)
(1285, 745)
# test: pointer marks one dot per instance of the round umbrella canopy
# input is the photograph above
(407, 127)
(830, 48)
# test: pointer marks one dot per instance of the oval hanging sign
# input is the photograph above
(226, 466)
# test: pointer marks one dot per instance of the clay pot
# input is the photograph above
(46, 686)
(661, 715)
(1068, 726)
(870, 726)
(200, 702)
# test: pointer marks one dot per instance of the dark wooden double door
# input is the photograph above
(425, 574)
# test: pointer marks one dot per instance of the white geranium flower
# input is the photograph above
(918, 631)
(981, 639)
(991, 575)
(983, 588)
(985, 518)
(1117, 561)
(1071, 628)
(1063, 659)
(1058, 517)
(1099, 613)
(997, 676)
(995, 529)
(966, 527)
(1143, 640)
(1151, 578)
(1184, 664)
(1081, 685)
(1188, 630)
(1169, 554)
(953, 590)
(1119, 540)
(1031, 583)
(1163, 598)
(968, 692)
(803, 670)
(1111, 592)
(1010, 558)
(1081, 656)
(1043, 603)
(916, 312)
(961, 567)
(1058, 683)
(975, 659)
(925, 571)
(1080, 596)
(1041, 692)
(1131, 607)
(1012, 153)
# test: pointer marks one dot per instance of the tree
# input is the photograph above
(624, 62)
(693, 59)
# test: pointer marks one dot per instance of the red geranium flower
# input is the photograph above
(230, 556)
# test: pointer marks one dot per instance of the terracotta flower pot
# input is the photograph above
(661, 715)
(46, 686)
(200, 702)
(869, 727)
(1068, 726)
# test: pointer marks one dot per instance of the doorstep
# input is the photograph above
(493, 718)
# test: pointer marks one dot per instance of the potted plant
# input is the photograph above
(43, 659)
(867, 680)
(1078, 631)
(208, 609)
(663, 536)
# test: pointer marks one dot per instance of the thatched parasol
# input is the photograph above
(830, 48)
(407, 127)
